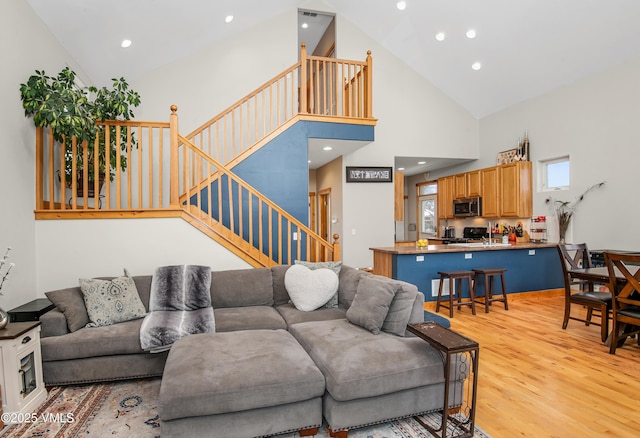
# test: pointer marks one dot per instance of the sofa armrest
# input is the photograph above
(53, 323)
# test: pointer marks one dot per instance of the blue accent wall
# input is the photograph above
(525, 272)
(280, 171)
(280, 168)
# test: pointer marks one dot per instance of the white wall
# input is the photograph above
(26, 45)
(69, 250)
(595, 121)
(415, 120)
(207, 82)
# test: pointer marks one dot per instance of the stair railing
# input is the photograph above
(219, 199)
(313, 87)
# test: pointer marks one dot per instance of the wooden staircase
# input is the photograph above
(198, 183)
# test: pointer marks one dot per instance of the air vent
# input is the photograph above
(310, 14)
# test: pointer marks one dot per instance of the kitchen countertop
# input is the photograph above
(435, 249)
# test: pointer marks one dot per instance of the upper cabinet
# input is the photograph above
(446, 188)
(506, 190)
(474, 183)
(490, 192)
(460, 186)
(516, 182)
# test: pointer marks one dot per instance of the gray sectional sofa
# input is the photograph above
(365, 378)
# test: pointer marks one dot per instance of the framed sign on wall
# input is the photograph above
(369, 174)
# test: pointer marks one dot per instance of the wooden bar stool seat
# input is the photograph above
(455, 288)
(489, 275)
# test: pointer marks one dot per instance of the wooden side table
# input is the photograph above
(21, 379)
(462, 354)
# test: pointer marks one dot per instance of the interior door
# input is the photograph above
(324, 213)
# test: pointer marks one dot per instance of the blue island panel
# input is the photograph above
(525, 272)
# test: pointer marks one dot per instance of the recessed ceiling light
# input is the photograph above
(228, 19)
(476, 66)
(471, 34)
(125, 43)
(327, 148)
(304, 25)
(422, 162)
(400, 168)
(440, 36)
(402, 5)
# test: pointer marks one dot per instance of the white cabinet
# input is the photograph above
(21, 367)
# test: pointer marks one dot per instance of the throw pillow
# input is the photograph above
(400, 309)
(71, 303)
(371, 303)
(334, 266)
(111, 301)
(309, 289)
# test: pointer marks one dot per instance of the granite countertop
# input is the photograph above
(434, 249)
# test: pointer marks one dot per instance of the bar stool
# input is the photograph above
(489, 276)
(455, 278)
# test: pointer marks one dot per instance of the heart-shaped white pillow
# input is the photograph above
(309, 289)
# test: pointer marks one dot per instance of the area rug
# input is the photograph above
(129, 409)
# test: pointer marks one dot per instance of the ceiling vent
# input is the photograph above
(310, 14)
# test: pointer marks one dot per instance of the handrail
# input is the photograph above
(243, 215)
(313, 86)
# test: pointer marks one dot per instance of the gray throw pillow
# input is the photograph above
(111, 301)
(71, 303)
(371, 303)
(334, 266)
(400, 309)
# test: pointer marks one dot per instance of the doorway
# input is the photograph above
(324, 213)
(317, 31)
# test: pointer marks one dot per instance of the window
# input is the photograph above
(427, 209)
(555, 174)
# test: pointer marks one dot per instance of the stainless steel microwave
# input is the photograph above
(467, 207)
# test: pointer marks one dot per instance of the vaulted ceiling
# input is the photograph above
(525, 48)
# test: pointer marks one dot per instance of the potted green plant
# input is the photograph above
(69, 110)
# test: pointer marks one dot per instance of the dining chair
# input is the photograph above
(576, 256)
(626, 296)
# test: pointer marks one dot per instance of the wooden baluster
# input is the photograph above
(174, 181)
(303, 79)
(52, 198)
(85, 174)
(150, 176)
(369, 86)
(107, 168)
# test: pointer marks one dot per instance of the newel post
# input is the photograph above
(303, 79)
(39, 167)
(173, 165)
(336, 248)
(369, 87)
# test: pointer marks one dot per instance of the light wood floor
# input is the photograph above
(538, 380)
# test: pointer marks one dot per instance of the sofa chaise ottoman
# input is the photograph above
(242, 384)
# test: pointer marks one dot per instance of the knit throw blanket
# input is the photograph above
(179, 305)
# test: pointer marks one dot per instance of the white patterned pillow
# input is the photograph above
(111, 301)
(334, 266)
(309, 289)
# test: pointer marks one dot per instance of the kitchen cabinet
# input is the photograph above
(490, 192)
(460, 186)
(516, 190)
(474, 184)
(445, 197)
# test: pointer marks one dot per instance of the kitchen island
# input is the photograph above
(530, 266)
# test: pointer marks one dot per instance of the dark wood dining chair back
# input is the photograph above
(626, 296)
(580, 292)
